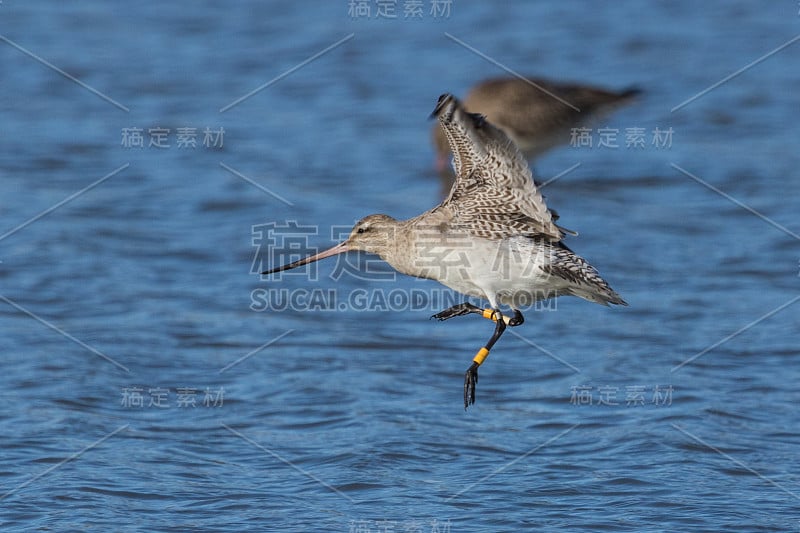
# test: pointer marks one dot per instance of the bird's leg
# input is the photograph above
(471, 376)
(494, 314)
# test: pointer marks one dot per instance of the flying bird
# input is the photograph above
(535, 113)
(492, 238)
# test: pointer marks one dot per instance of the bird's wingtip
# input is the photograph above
(441, 103)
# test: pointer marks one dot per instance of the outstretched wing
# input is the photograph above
(493, 195)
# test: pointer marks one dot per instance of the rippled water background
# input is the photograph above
(352, 420)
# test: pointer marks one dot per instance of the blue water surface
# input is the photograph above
(149, 383)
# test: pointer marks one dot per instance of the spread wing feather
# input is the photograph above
(493, 195)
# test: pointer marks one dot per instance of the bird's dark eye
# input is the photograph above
(361, 230)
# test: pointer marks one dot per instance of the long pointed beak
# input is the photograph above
(338, 249)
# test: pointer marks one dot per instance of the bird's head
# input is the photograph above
(373, 234)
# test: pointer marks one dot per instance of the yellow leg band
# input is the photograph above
(480, 356)
(491, 315)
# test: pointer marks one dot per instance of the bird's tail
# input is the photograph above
(581, 278)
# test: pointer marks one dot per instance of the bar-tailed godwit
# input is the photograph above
(492, 238)
(536, 114)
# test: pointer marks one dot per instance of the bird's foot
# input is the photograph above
(457, 310)
(470, 381)
(517, 319)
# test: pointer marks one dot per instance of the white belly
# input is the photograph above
(505, 272)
